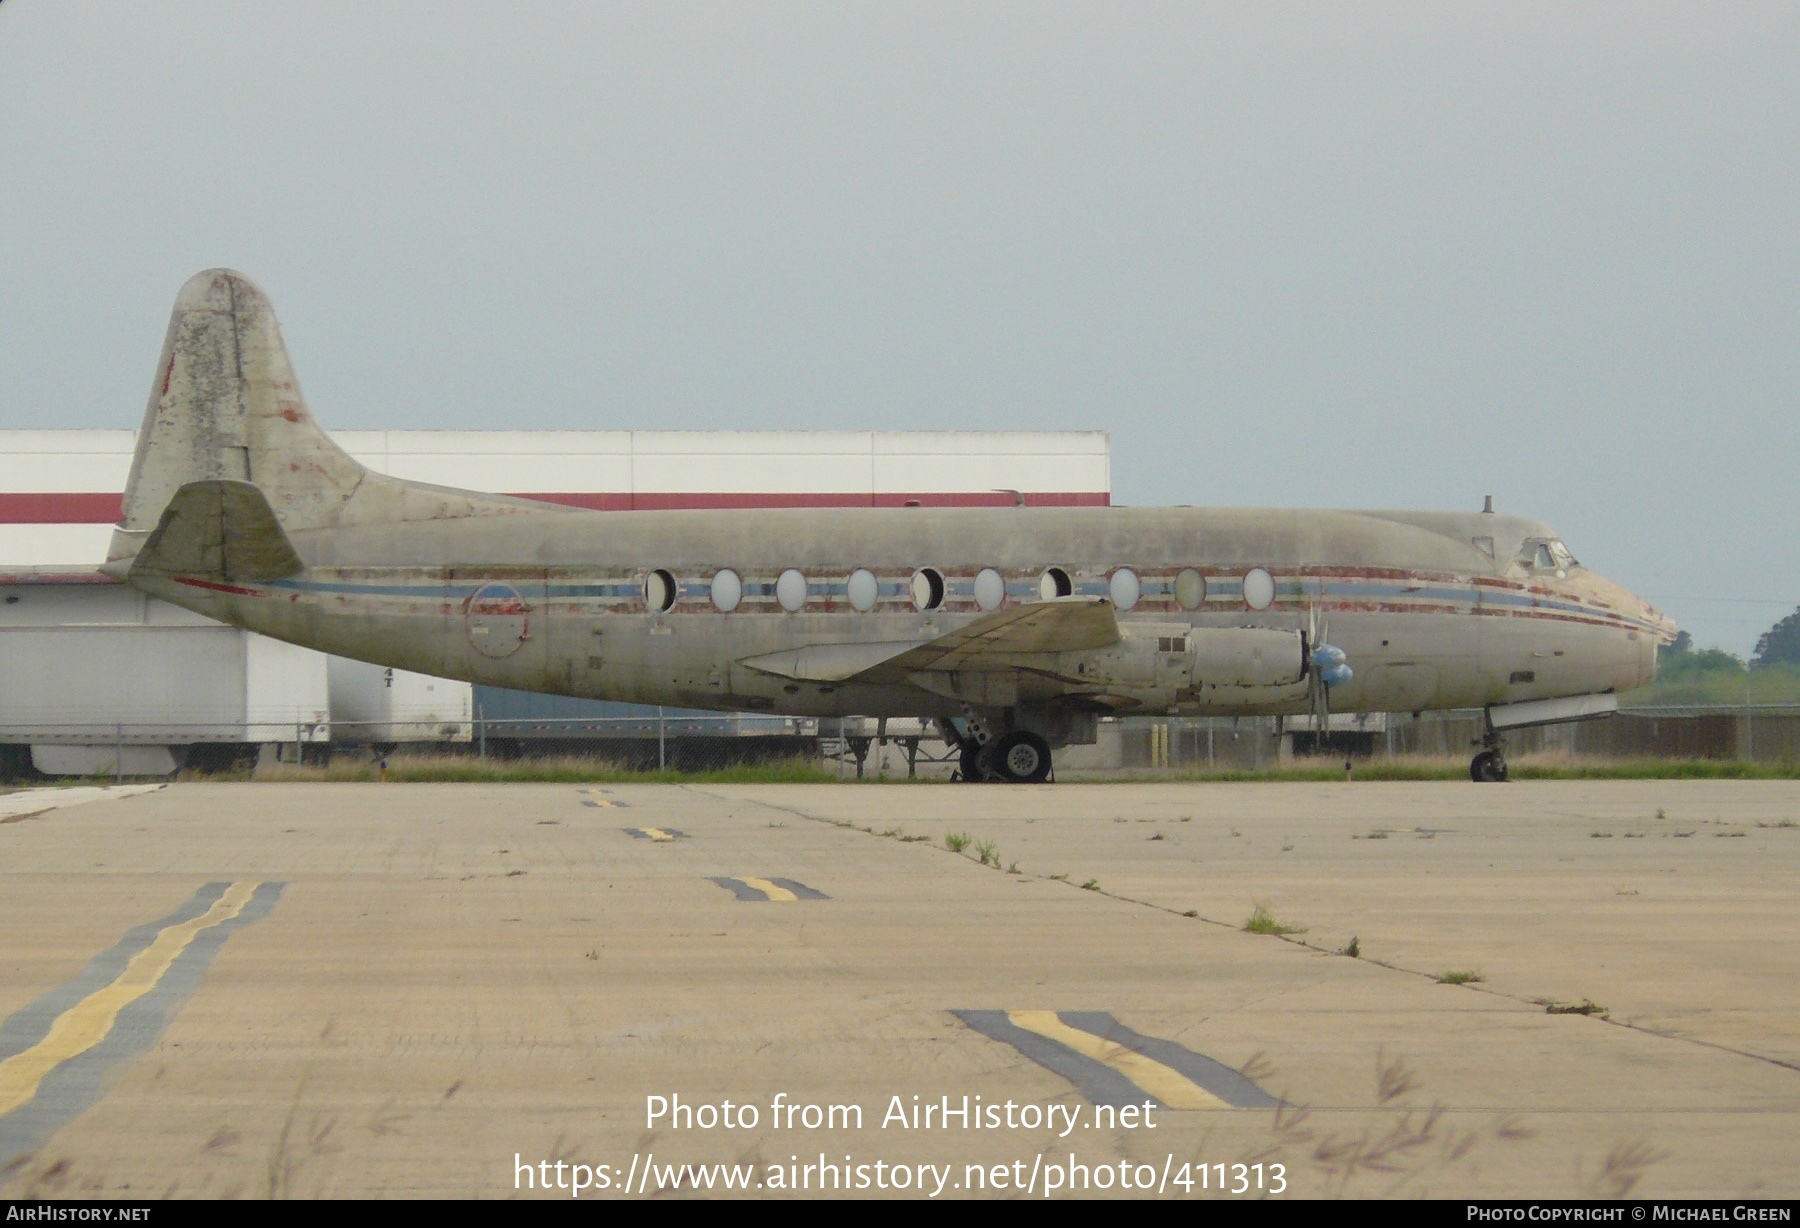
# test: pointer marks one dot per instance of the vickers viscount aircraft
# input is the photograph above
(1013, 629)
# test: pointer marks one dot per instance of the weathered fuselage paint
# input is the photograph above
(557, 602)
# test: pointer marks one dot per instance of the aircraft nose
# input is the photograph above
(1661, 632)
(1663, 627)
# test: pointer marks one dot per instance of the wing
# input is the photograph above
(992, 642)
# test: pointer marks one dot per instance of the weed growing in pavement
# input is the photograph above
(1621, 1170)
(1262, 921)
(1584, 1007)
(1397, 1141)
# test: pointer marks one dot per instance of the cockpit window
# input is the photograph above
(1546, 554)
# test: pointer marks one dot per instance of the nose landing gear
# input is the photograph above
(1488, 767)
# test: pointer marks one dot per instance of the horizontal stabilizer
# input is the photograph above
(1064, 624)
(220, 530)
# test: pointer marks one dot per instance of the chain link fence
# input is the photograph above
(861, 747)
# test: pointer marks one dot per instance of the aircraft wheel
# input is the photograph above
(1020, 758)
(1489, 767)
(971, 764)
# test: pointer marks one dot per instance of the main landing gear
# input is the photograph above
(1017, 757)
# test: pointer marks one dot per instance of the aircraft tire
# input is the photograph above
(971, 764)
(1489, 767)
(1020, 758)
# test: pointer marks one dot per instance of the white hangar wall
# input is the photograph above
(96, 678)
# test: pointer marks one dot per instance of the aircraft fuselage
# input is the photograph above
(567, 603)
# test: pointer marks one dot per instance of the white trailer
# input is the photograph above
(98, 679)
(373, 705)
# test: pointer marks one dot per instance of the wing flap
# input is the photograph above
(991, 642)
(828, 662)
(1062, 624)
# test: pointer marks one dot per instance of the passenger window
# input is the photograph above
(990, 589)
(1125, 588)
(927, 589)
(1190, 589)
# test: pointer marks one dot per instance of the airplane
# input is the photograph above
(1012, 629)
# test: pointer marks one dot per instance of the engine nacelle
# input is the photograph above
(1161, 664)
(1250, 657)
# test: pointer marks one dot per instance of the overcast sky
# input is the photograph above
(1322, 255)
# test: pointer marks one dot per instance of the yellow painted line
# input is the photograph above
(601, 801)
(658, 834)
(780, 895)
(1164, 1082)
(86, 1024)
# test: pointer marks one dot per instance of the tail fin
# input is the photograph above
(226, 407)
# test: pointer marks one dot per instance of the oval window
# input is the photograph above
(660, 591)
(727, 590)
(927, 589)
(1054, 583)
(862, 589)
(1125, 588)
(990, 589)
(1259, 588)
(1190, 589)
(790, 590)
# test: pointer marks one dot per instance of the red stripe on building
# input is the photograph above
(96, 508)
(61, 508)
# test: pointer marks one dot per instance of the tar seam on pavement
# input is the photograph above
(76, 1082)
(1111, 1064)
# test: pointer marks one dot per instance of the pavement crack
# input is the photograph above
(1066, 880)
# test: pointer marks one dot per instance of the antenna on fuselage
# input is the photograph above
(1487, 508)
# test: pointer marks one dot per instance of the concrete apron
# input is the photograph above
(455, 981)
